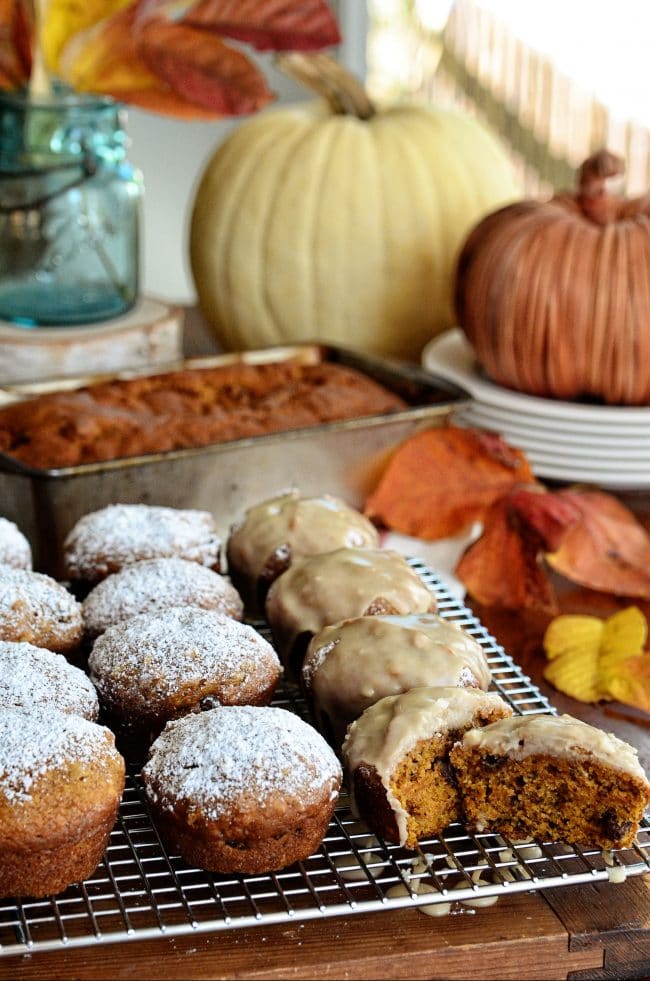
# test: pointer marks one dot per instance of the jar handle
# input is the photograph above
(88, 167)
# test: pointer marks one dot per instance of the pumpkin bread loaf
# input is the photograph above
(551, 777)
(264, 543)
(160, 666)
(155, 585)
(349, 582)
(187, 408)
(38, 610)
(15, 550)
(351, 665)
(397, 758)
(105, 541)
(32, 678)
(61, 780)
(242, 788)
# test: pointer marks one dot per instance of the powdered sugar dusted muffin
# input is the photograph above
(155, 585)
(397, 758)
(551, 777)
(275, 532)
(242, 789)
(37, 609)
(61, 780)
(159, 666)
(351, 665)
(15, 550)
(348, 582)
(104, 541)
(32, 677)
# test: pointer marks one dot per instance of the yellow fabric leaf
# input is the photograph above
(65, 19)
(591, 659)
(631, 682)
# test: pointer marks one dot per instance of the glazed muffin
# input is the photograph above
(160, 666)
(61, 780)
(551, 777)
(348, 582)
(38, 610)
(242, 788)
(272, 534)
(105, 541)
(351, 665)
(155, 585)
(15, 550)
(32, 678)
(397, 758)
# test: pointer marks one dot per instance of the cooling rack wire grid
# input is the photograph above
(141, 891)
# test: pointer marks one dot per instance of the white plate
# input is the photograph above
(576, 449)
(451, 355)
(603, 479)
(633, 437)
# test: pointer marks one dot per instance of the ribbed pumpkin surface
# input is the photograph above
(555, 297)
(312, 225)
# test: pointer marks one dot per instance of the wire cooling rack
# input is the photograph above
(140, 890)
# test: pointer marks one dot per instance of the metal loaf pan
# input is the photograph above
(342, 458)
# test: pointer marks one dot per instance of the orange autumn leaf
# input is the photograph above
(170, 56)
(503, 568)
(441, 480)
(606, 549)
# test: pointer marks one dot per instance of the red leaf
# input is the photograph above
(16, 28)
(202, 69)
(607, 549)
(503, 567)
(441, 480)
(549, 514)
(278, 25)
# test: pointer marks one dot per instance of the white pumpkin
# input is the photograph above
(310, 224)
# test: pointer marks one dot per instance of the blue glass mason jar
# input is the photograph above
(69, 211)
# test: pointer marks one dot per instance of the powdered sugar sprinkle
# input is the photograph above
(31, 677)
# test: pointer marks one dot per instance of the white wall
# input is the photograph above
(172, 155)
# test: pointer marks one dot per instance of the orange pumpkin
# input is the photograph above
(554, 296)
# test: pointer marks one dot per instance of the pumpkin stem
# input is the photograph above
(593, 197)
(325, 76)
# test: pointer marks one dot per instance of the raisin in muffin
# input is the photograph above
(551, 777)
(242, 788)
(397, 758)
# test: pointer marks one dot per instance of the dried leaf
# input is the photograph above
(576, 674)
(16, 28)
(503, 568)
(278, 25)
(66, 19)
(606, 549)
(572, 632)
(443, 479)
(624, 634)
(551, 515)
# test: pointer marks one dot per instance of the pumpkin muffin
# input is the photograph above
(264, 543)
(397, 758)
(32, 678)
(351, 665)
(15, 549)
(242, 788)
(348, 582)
(160, 666)
(551, 777)
(155, 585)
(38, 610)
(61, 780)
(105, 541)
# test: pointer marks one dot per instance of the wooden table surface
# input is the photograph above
(599, 930)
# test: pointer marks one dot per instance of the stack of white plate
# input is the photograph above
(564, 441)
